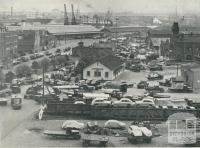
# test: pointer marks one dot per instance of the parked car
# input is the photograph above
(123, 102)
(32, 57)
(155, 67)
(114, 124)
(79, 102)
(15, 62)
(170, 62)
(47, 53)
(3, 101)
(146, 101)
(86, 87)
(142, 85)
(166, 83)
(155, 89)
(155, 76)
(100, 102)
(24, 59)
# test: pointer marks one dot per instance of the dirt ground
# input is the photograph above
(30, 132)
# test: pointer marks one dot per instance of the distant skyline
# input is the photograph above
(135, 6)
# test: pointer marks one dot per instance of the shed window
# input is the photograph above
(106, 74)
(97, 74)
(88, 73)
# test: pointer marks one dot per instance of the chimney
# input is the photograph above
(175, 28)
(11, 12)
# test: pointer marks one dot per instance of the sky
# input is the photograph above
(135, 6)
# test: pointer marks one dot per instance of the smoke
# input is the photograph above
(89, 6)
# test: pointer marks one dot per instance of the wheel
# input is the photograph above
(85, 143)
(77, 137)
(103, 143)
(147, 140)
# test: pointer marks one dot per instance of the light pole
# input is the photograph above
(116, 19)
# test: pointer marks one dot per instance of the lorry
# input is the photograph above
(16, 101)
(66, 134)
(139, 133)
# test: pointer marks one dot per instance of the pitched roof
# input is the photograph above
(128, 29)
(58, 29)
(160, 33)
(110, 61)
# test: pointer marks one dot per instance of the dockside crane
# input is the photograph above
(73, 22)
(66, 21)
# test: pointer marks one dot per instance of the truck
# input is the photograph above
(137, 133)
(66, 134)
(16, 101)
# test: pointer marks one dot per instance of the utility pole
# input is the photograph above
(177, 68)
(116, 19)
(43, 85)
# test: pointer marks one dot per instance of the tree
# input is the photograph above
(9, 76)
(23, 70)
(2, 76)
(45, 63)
(35, 65)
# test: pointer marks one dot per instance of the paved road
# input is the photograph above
(10, 118)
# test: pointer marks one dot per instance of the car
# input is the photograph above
(123, 102)
(166, 83)
(100, 102)
(24, 59)
(79, 102)
(86, 87)
(170, 62)
(3, 101)
(155, 89)
(47, 53)
(15, 62)
(32, 57)
(156, 67)
(114, 124)
(142, 85)
(147, 101)
(154, 76)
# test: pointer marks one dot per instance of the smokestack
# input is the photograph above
(11, 12)
(66, 22)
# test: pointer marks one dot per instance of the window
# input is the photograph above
(88, 73)
(97, 74)
(106, 74)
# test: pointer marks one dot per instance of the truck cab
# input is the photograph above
(16, 101)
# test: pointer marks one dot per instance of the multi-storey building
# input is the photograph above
(8, 43)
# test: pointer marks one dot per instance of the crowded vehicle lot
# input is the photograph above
(140, 96)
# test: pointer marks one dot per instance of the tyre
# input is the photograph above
(147, 140)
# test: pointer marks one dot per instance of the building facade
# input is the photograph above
(107, 68)
(8, 44)
(191, 74)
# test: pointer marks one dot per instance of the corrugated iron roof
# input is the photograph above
(58, 29)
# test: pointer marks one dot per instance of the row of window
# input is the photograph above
(97, 74)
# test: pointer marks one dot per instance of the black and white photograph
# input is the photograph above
(99, 73)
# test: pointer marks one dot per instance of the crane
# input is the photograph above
(66, 22)
(73, 22)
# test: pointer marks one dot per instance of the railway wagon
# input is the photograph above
(136, 113)
(123, 113)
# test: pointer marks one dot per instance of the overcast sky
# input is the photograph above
(138, 6)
